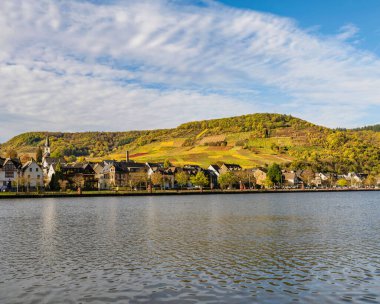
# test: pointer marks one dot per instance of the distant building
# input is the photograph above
(126, 173)
(214, 173)
(229, 168)
(260, 175)
(291, 179)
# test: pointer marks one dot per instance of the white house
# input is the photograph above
(31, 176)
(9, 172)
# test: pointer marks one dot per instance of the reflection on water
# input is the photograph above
(269, 248)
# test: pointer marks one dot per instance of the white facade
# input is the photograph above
(32, 176)
(9, 172)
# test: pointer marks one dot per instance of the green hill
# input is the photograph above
(249, 140)
(375, 128)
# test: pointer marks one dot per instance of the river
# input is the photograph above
(248, 248)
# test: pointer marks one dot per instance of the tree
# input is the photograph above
(268, 183)
(167, 163)
(137, 178)
(342, 182)
(182, 178)
(12, 153)
(39, 155)
(308, 176)
(245, 177)
(227, 180)
(274, 174)
(156, 179)
(78, 181)
(71, 159)
(200, 180)
(370, 181)
(62, 184)
(54, 182)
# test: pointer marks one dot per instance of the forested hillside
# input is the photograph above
(249, 140)
(375, 128)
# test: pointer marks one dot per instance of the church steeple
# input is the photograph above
(47, 147)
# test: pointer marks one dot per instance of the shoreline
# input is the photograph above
(13, 195)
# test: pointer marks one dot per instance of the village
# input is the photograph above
(56, 174)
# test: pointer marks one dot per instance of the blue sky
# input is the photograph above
(81, 65)
(327, 16)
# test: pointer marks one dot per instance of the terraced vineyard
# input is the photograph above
(249, 140)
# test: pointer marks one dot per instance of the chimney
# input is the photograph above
(127, 156)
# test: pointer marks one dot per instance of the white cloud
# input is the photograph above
(70, 65)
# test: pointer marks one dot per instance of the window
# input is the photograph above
(30, 169)
(9, 174)
(36, 169)
(38, 176)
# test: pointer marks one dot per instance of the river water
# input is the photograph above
(248, 248)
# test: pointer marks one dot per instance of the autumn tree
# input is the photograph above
(137, 178)
(200, 180)
(342, 182)
(78, 181)
(12, 153)
(156, 179)
(308, 176)
(167, 163)
(370, 181)
(182, 178)
(244, 177)
(227, 179)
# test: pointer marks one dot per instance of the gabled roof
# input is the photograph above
(154, 165)
(232, 167)
(215, 168)
(122, 167)
(28, 163)
(15, 161)
(265, 170)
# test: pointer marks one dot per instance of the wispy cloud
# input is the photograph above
(80, 65)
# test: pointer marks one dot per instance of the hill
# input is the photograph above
(375, 128)
(249, 140)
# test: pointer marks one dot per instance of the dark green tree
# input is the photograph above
(55, 178)
(39, 155)
(274, 173)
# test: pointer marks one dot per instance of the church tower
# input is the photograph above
(47, 147)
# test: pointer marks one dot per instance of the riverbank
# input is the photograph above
(13, 195)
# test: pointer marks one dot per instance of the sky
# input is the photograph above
(92, 65)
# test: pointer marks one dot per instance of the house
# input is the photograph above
(10, 173)
(79, 175)
(215, 169)
(31, 176)
(229, 168)
(355, 179)
(260, 175)
(213, 173)
(324, 179)
(121, 174)
(168, 174)
(291, 179)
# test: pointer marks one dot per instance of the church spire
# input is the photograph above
(47, 147)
